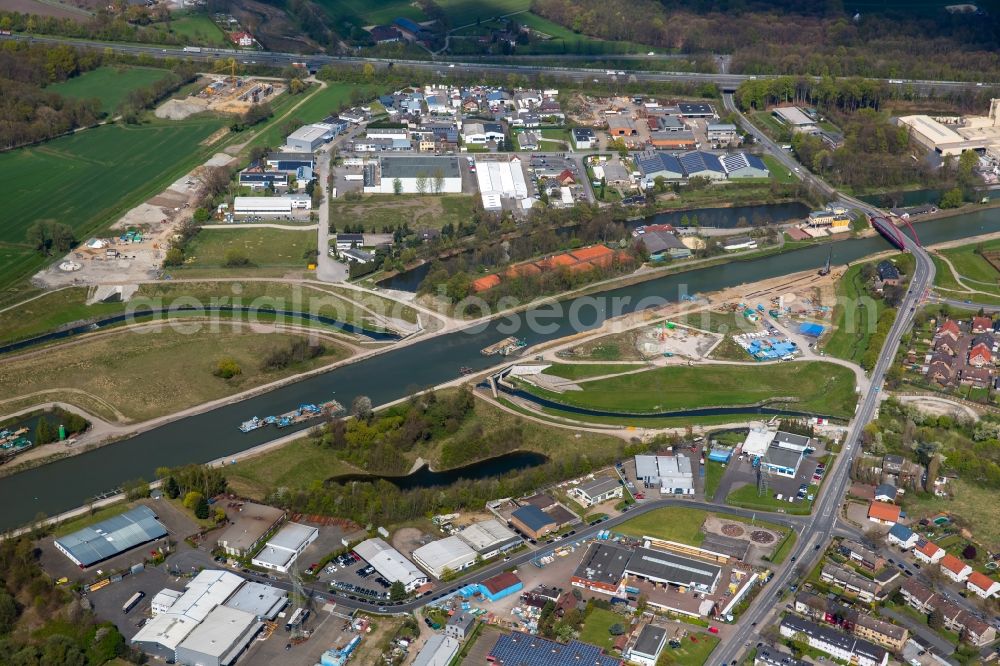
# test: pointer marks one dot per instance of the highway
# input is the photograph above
(277, 59)
(820, 527)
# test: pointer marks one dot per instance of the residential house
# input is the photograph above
(384, 34)
(883, 514)
(866, 590)
(596, 491)
(928, 552)
(887, 273)
(954, 568)
(980, 356)
(982, 324)
(243, 39)
(851, 620)
(885, 492)
(982, 585)
(902, 536)
(862, 555)
(527, 140)
(972, 629)
(839, 645)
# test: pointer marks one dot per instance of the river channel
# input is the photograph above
(70, 482)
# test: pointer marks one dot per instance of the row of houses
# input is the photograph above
(851, 620)
(971, 628)
(951, 567)
(964, 353)
(653, 165)
(841, 646)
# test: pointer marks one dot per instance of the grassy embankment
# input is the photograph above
(815, 386)
(145, 375)
(302, 464)
(378, 211)
(977, 281)
(854, 316)
(60, 308)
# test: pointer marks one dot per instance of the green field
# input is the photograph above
(388, 210)
(596, 628)
(84, 179)
(850, 339)
(111, 85)
(973, 268)
(778, 170)
(814, 386)
(318, 105)
(713, 476)
(748, 498)
(265, 248)
(672, 524)
(464, 12)
(373, 13)
(694, 651)
(197, 29)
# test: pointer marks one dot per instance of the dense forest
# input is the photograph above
(792, 37)
(43, 624)
(137, 23)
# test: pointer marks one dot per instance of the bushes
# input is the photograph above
(227, 368)
(236, 259)
(296, 351)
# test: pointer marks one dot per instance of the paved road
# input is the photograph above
(823, 522)
(275, 59)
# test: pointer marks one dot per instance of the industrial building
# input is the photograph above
(111, 537)
(249, 524)
(602, 568)
(979, 133)
(722, 134)
(696, 110)
(520, 649)
(490, 538)
(671, 473)
(450, 554)
(584, 138)
(439, 650)
(782, 461)
(596, 491)
(283, 205)
(532, 521)
(502, 178)
(744, 165)
(655, 164)
(220, 638)
(700, 164)
(795, 118)
(308, 138)
(262, 601)
(417, 174)
(648, 646)
(660, 566)
(280, 552)
(500, 586)
(390, 563)
(163, 635)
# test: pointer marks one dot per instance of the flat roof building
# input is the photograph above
(597, 490)
(532, 521)
(448, 555)
(249, 525)
(794, 116)
(418, 174)
(307, 139)
(662, 567)
(439, 650)
(520, 649)
(262, 601)
(936, 136)
(280, 553)
(695, 110)
(672, 473)
(390, 563)
(112, 536)
(602, 568)
(500, 179)
(782, 461)
(490, 538)
(648, 646)
(220, 639)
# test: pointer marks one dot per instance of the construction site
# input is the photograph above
(223, 93)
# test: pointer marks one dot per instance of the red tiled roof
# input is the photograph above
(950, 327)
(982, 323)
(501, 582)
(981, 350)
(952, 564)
(486, 282)
(566, 175)
(980, 580)
(928, 548)
(883, 511)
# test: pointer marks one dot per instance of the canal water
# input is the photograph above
(727, 218)
(70, 482)
(425, 478)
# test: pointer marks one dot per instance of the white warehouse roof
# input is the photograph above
(390, 563)
(293, 536)
(758, 441)
(448, 553)
(221, 637)
(263, 601)
(481, 536)
(501, 178)
(262, 204)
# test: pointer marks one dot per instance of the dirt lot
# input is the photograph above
(228, 98)
(79, 10)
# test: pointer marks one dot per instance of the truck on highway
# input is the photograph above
(192, 49)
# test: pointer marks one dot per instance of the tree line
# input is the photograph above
(789, 37)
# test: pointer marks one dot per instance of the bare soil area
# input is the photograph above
(80, 10)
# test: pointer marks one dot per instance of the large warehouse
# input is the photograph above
(220, 638)
(490, 538)
(248, 526)
(501, 179)
(280, 552)
(390, 563)
(671, 473)
(439, 557)
(112, 536)
(417, 174)
(659, 566)
(283, 205)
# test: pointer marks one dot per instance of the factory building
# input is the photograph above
(283, 205)
(110, 537)
(417, 174)
(281, 551)
(220, 638)
(672, 473)
(390, 563)
(502, 179)
(249, 525)
(602, 568)
(490, 538)
(450, 554)
(662, 567)
(308, 138)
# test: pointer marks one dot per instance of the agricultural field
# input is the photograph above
(815, 386)
(264, 248)
(387, 210)
(196, 29)
(85, 179)
(139, 376)
(110, 84)
(373, 13)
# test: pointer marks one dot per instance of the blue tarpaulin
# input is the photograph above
(812, 330)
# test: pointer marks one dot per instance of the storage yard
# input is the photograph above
(223, 94)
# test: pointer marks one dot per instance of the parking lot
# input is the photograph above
(740, 472)
(108, 600)
(350, 575)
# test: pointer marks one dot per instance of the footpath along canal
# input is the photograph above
(71, 482)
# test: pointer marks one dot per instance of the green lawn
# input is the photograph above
(966, 501)
(813, 386)
(778, 170)
(852, 334)
(564, 40)
(301, 464)
(596, 628)
(264, 247)
(463, 12)
(197, 29)
(384, 11)
(972, 266)
(694, 650)
(388, 210)
(771, 125)
(671, 523)
(584, 370)
(111, 85)
(85, 179)
(318, 104)
(713, 475)
(748, 498)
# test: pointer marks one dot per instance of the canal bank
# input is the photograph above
(398, 372)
